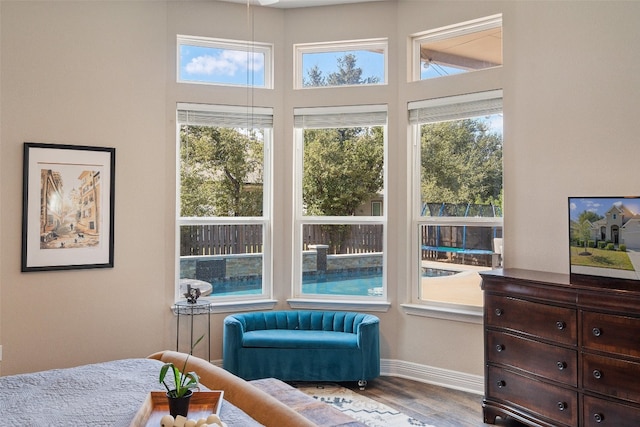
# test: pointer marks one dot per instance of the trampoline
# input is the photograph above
(457, 250)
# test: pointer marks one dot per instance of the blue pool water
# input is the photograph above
(330, 284)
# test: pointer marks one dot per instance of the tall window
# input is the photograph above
(340, 169)
(459, 48)
(458, 194)
(224, 62)
(224, 193)
(359, 62)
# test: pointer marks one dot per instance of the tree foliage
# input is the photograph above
(348, 73)
(589, 216)
(221, 172)
(343, 168)
(461, 163)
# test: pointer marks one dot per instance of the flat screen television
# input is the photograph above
(604, 239)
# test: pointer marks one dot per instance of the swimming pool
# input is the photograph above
(342, 283)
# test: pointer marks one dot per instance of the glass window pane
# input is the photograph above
(221, 172)
(450, 259)
(343, 67)
(342, 259)
(461, 164)
(460, 48)
(343, 170)
(214, 62)
(224, 259)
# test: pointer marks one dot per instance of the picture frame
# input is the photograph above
(68, 199)
(604, 239)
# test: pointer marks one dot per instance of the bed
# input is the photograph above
(109, 394)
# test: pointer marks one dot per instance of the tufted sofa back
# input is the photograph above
(336, 321)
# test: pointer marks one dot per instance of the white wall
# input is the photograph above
(103, 73)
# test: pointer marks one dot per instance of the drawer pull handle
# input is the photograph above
(596, 332)
(562, 365)
(598, 417)
(499, 312)
(562, 406)
(597, 374)
(560, 325)
(501, 384)
(499, 348)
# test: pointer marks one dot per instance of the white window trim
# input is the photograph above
(427, 308)
(337, 46)
(300, 300)
(263, 300)
(247, 46)
(447, 32)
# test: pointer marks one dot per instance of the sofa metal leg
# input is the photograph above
(362, 384)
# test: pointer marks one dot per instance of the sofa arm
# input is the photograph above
(232, 333)
(368, 333)
(259, 405)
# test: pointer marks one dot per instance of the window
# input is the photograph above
(224, 198)
(376, 208)
(224, 62)
(340, 166)
(457, 195)
(360, 62)
(459, 48)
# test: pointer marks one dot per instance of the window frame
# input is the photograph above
(264, 300)
(446, 107)
(215, 43)
(300, 49)
(448, 32)
(326, 301)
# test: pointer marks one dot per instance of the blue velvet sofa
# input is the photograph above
(302, 346)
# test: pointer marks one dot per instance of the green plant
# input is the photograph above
(183, 381)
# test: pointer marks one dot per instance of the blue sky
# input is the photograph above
(225, 66)
(600, 205)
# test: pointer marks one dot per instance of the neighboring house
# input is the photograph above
(619, 226)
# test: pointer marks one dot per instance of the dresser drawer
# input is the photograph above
(610, 333)
(554, 403)
(612, 377)
(601, 413)
(537, 320)
(556, 363)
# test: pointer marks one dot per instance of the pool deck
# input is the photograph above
(461, 288)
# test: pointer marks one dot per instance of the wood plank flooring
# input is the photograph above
(431, 404)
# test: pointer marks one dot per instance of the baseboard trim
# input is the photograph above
(426, 374)
(433, 375)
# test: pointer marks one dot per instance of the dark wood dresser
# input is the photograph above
(559, 353)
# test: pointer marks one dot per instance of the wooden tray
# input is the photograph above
(201, 405)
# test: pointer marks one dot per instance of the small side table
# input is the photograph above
(185, 308)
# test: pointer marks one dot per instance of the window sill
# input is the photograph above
(355, 305)
(455, 312)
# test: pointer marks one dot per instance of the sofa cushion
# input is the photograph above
(295, 338)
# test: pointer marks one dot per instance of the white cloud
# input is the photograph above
(229, 62)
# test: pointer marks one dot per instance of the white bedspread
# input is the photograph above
(104, 394)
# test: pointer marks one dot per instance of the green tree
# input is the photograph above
(221, 172)
(589, 216)
(582, 231)
(315, 77)
(343, 168)
(461, 163)
(348, 73)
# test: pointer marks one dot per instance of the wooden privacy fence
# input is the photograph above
(344, 239)
(247, 239)
(216, 239)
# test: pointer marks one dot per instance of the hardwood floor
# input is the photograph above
(439, 406)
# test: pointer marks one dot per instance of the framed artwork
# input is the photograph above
(67, 207)
(604, 239)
